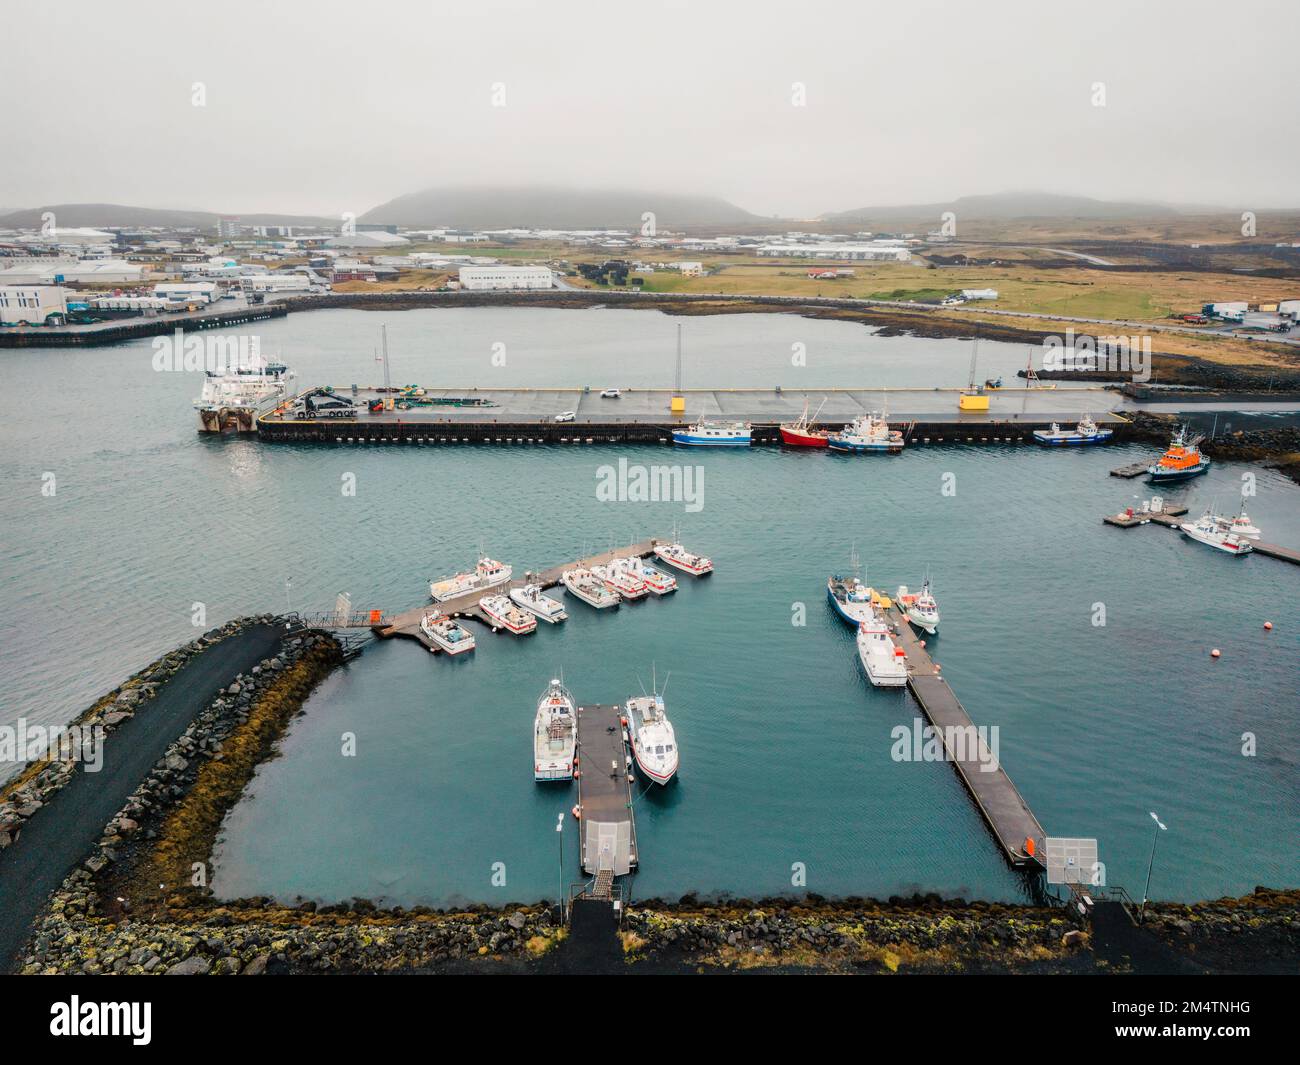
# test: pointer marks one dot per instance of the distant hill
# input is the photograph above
(546, 207)
(1005, 206)
(96, 215)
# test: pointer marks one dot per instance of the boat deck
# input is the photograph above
(407, 623)
(605, 792)
(1005, 811)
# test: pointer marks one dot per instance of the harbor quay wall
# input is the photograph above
(134, 328)
(485, 432)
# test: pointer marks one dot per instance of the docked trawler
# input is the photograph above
(655, 580)
(870, 432)
(714, 434)
(531, 598)
(231, 401)
(1214, 531)
(800, 433)
(654, 744)
(487, 574)
(445, 634)
(502, 613)
(621, 580)
(1086, 432)
(1182, 460)
(921, 609)
(678, 557)
(554, 734)
(589, 588)
(885, 663)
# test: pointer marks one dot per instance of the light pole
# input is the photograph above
(559, 836)
(1155, 838)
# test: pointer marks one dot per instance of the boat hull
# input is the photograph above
(1156, 474)
(444, 596)
(803, 437)
(1071, 439)
(1241, 547)
(839, 443)
(685, 567)
(845, 611)
(926, 625)
(691, 440)
(553, 616)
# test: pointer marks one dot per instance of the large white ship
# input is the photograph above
(231, 401)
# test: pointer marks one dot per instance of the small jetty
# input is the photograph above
(407, 624)
(608, 830)
(1007, 814)
(1136, 469)
(1170, 518)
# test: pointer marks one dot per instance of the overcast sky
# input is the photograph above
(325, 107)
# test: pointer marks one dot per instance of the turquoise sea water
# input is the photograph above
(786, 748)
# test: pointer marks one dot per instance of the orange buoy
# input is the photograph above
(922, 643)
(577, 812)
(623, 721)
(1029, 846)
(1268, 626)
(1214, 653)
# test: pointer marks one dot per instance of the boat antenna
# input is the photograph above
(665, 687)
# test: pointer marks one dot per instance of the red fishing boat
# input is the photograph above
(801, 434)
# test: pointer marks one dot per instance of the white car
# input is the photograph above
(565, 416)
(611, 393)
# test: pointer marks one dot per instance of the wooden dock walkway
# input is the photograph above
(1171, 518)
(607, 830)
(1005, 811)
(407, 623)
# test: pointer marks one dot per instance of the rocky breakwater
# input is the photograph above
(914, 935)
(34, 786)
(1277, 447)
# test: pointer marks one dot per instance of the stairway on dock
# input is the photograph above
(1005, 811)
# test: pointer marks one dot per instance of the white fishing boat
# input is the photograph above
(446, 634)
(869, 432)
(531, 598)
(1243, 526)
(487, 574)
(1214, 531)
(678, 557)
(589, 588)
(554, 734)
(654, 743)
(1086, 432)
(921, 609)
(714, 434)
(503, 614)
(848, 595)
(231, 400)
(656, 581)
(620, 580)
(884, 661)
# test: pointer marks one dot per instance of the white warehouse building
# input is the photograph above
(479, 278)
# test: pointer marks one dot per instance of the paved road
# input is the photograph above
(61, 835)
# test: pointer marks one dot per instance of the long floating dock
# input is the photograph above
(1005, 811)
(407, 624)
(608, 828)
(1171, 517)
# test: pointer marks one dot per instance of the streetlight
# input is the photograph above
(559, 836)
(1155, 838)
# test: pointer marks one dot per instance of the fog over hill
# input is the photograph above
(556, 207)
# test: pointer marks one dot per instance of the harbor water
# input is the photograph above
(790, 776)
